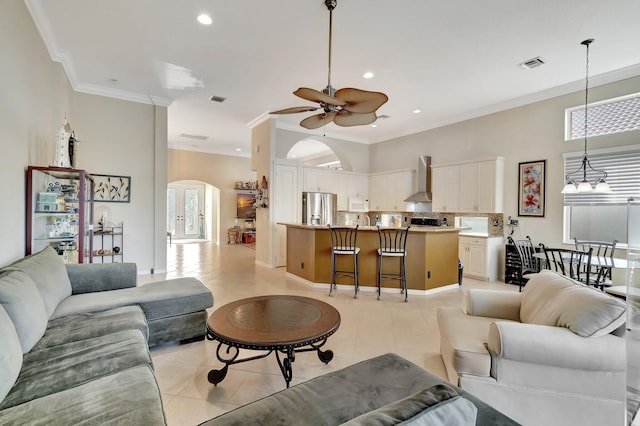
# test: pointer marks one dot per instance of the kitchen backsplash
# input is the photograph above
(496, 223)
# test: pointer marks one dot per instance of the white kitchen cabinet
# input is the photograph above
(387, 191)
(479, 256)
(445, 188)
(482, 186)
(353, 185)
(319, 180)
(472, 187)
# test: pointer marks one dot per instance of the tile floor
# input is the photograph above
(368, 328)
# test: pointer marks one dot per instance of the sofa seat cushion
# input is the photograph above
(342, 395)
(48, 271)
(20, 298)
(10, 354)
(439, 405)
(61, 367)
(550, 298)
(157, 299)
(129, 397)
(463, 341)
(93, 324)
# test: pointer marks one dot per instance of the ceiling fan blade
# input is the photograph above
(295, 110)
(361, 101)
(318, 120)
(314, 95)
(348, 120)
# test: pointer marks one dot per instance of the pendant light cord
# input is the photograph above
(586, 95)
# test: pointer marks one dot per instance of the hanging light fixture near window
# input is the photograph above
(571, 186)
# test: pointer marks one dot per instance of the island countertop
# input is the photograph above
(432, 256)
(412, 229)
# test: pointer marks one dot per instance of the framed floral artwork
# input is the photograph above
(531, 181)
(115, 189)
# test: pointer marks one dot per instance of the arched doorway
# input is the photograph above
(313, 153)
(193, 211)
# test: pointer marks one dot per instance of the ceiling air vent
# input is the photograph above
(532, 63)
(215, 98)
(382, 116)
(199, 137)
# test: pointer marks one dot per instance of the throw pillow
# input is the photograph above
(48, 271)
(550, 298)
(10, 354)
(424, 407)
(20, 297)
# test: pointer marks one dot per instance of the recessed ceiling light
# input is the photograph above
(368, 74)
(374, 125)
(417, 111)
(113, 80)
(238, 149)
(294, 156)
(205, 19)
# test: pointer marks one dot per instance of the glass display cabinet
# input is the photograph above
(60, 212)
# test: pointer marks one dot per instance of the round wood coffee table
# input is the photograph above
(281, 324)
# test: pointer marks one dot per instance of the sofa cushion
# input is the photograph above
(49, 273)
(61, 367)
(128, 397)
(21, 299)
(342, 395)
(92, 324)
(437, 405)
(10, 354)
(158, 299)
(550, 298)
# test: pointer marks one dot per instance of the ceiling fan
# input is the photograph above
(345, 107)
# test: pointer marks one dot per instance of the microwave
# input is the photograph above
(358, 205)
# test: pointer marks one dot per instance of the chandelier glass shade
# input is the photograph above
(572, 182)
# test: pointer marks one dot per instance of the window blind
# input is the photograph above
(623, 175)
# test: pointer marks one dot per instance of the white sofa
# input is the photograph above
(551, 355)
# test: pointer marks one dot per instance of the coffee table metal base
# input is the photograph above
(228, 352)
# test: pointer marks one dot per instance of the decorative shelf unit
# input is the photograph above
(108, 243)
(60, 212)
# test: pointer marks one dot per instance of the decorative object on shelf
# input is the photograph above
(531, 183)
(116, 189)
(264, 184)
(344, 107)
(262, 199)
(599, 176)
(62, 151)
(246, 185)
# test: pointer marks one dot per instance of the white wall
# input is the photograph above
(118, 137)
(528, 133)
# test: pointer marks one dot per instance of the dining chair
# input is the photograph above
(574, 264)
(528, 263)
(393, 244)
(600, 275)
(343, 243)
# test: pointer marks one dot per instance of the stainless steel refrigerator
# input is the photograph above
(319, 208)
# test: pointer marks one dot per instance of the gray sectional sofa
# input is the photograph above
(385, 390)
(75, 340)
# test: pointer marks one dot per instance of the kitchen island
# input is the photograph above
(432, 256)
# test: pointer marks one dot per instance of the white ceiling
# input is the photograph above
(451, 59)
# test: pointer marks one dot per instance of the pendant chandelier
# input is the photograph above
(599, 183)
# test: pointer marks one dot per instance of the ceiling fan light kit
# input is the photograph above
(344, 107)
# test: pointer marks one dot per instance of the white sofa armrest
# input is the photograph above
(556, 346)
(493, 304)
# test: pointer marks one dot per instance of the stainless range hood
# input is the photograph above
(424, 181)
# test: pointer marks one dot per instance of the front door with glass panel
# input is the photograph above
(185, 210)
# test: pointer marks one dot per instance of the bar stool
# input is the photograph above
(343, 242)
(393, 243)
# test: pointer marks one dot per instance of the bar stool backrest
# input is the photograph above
(343, 239)
(393, 241)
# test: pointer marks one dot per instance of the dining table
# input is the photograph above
(604, 264)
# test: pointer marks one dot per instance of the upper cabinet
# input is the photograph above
(472, 187)
(445, 188)
(387, 191)
(319, 180)
(352, 185)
